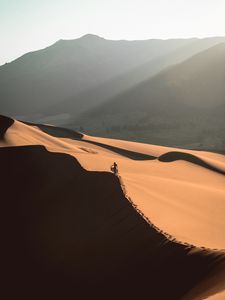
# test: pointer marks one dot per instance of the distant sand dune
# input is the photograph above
(174, 156)
(124, 152)
(67, 133)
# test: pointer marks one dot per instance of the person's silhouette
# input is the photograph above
(114, 168)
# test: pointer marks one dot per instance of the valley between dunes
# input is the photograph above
(172, 229)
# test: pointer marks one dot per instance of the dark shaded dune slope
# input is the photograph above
(56, 131)
(175, 155)
(124, 152)
(71, 234)
(5, 123)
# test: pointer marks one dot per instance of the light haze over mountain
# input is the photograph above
(86, 71)
(31, 25)
(183, 105)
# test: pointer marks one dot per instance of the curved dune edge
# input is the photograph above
(124, 148)
(162, 153)
(217, 296)
(202, 177)
(171, 238)
(5, 124)
(186, 155)
(175, 196)
(212, 288)
(129, 255)
(175, 155)
(166, 157)
(215, 290)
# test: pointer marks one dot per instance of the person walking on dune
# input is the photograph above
(114, 168)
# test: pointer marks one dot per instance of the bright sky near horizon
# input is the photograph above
(27, 25)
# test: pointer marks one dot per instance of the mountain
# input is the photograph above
(82, 102)
(36, 82)
(182, 105)
(69, 67)
(72, 229)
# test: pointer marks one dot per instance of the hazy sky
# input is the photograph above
(27, 25)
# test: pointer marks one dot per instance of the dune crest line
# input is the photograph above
(166, 234)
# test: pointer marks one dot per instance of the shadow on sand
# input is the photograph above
(174, 156)
(56, 131)
(5, 123)
(71, 234)
(167, 157)
(74, 135)
(126, 153)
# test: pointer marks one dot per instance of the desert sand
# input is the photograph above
(157, 228)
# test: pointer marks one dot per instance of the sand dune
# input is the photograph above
(5, 123)
(71, 224)
(218, 296)
(175, 155)
(176, 196)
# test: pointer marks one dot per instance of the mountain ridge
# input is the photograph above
(68, 68)
(191, 92)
